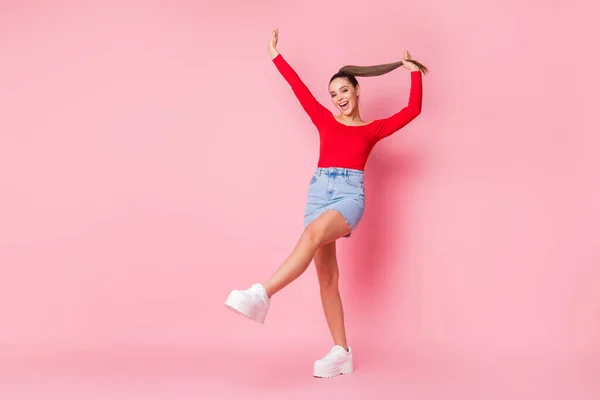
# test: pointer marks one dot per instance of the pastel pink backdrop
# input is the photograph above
(152, 159)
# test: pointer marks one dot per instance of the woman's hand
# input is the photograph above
(273, 44)
(407, 62)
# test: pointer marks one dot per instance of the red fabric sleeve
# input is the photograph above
(407, 114)
(315, 110)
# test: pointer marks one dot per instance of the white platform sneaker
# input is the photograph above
(337, 361)
(252, 302)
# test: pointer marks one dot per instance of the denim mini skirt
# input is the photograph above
(339, 189)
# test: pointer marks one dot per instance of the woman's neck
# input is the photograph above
(350, 119)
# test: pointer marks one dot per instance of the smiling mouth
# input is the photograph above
(344, 105)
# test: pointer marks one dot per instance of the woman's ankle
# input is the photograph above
(270, 290)
(343, 345)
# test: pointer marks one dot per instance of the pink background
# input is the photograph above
(152, 159)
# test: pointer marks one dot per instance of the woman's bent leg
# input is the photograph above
(327, 228)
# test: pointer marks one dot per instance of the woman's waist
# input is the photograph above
(338, 171)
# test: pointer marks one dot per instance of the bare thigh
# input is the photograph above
(327, 228)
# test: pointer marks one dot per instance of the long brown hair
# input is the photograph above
(351, 71)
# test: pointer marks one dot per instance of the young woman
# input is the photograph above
(336, 198)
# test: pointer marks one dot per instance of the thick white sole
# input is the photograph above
(235, 302)
(323, 372)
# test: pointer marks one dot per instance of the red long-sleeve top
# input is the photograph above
(348, 146)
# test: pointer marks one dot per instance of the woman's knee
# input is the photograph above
(313, 234)
(326, 266)
(326, 228)
(328, 277)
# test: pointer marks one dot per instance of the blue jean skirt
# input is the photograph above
(339, 189)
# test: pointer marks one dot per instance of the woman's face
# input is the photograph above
(344, 95)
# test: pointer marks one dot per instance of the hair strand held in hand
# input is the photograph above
(376, 70)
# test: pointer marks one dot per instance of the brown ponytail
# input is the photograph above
(376, 70)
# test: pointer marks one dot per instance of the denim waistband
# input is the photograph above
(337, 171)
